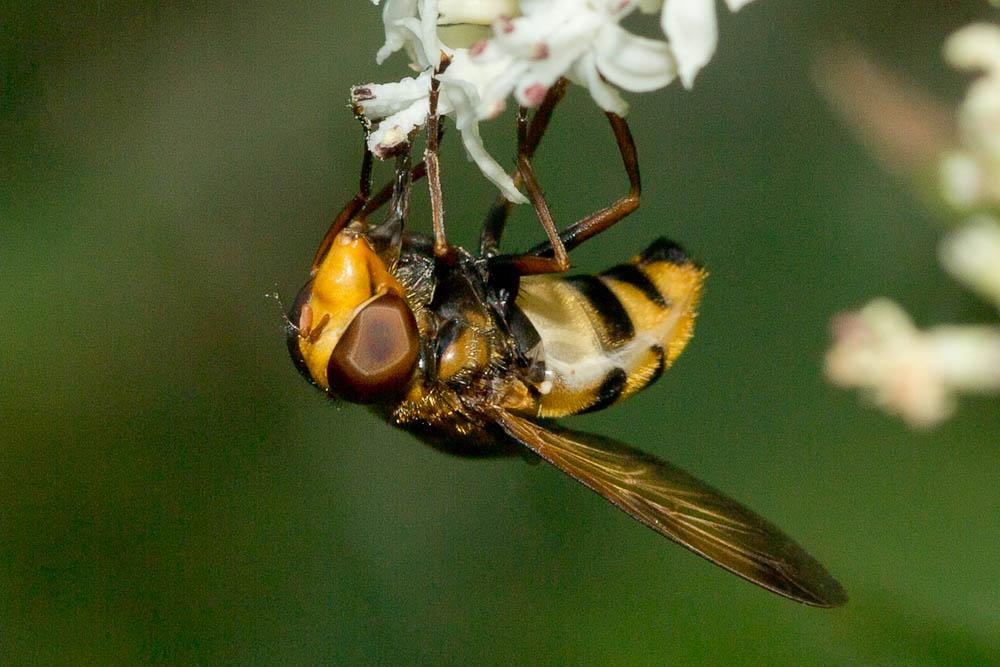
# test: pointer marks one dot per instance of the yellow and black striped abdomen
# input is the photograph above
(607, 336)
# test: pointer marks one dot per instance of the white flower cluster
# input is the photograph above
(916, 374)
(520, 48)
(908, 372)
(971, 175)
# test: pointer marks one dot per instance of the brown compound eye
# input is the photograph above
(376, 355)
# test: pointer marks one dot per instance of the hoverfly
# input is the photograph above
(476, 354)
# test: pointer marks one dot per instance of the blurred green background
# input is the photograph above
(171, 490)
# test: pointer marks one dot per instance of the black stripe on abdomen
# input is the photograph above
(609, 391)
(662, 250)
(631, 274)
(613, 318)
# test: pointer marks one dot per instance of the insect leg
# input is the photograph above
(351, 209)
(379, 199)
(533, 264)
(433, 165)
(595, 223)
(387, 236)
(496, 218)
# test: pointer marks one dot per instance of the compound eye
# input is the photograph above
(375, 357)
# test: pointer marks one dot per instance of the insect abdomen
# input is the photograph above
(607, 336)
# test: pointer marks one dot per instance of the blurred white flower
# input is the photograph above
(693, 31)
(975, 47)
(972, 254)
(971, 175)
(964, 183)
(918, 374)
(908, 372)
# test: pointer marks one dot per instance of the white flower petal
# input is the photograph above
(521, 37)
(604, 94)
(534, 7)
(972, 255)
(492, 99)
(637, 64)
(979, 118)
(544, 72)
(462, 35)
(576, 35)
(966, 358)
(378, 100)
(479, 12)
(617, 9)
(393, 12)
(428, 32)
(975, 47)
(465, 101)
(737, 5)
(395, 129)
(691, 27)
(962, 180)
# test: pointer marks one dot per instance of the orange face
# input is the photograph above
(356, 336)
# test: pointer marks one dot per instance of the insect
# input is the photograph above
(475, 354)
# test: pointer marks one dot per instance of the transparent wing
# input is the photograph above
(678, 506)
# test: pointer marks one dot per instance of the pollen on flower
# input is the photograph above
(541, 51)
(391, 139)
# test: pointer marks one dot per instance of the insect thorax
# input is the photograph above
(468, 358)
